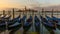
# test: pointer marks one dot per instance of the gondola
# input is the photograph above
(4, 19)
(53, 18)
(2, 16)
(57, 21)
(7, 17)
(47, 24)
(23, 19)
(16, 26)
(37, 24)
(48, 18)
(10, 22)
(27, 25)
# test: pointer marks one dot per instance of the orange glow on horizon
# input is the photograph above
(11, 6)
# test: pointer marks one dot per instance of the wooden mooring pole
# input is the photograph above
(3, 12)
(13, 13)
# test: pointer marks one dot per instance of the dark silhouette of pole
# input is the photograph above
(42, 11)
(33, 21)
(42, 15)
(51, 31)
(9, 12)
(45, 13)
(52, 13)
(23, 12)
(3, 12)
(13, 13)
(25, 8)
(57, 14)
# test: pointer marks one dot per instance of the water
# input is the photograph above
(45, 31)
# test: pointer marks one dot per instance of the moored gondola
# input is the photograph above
(10, 22)
(48, 25)
(57, 21)
(16, 26)
(27, 25)
(37, 24)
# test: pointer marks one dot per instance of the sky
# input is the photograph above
(45, 3)
(28, 3)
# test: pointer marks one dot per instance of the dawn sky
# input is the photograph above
(49, 2)
(28, 3)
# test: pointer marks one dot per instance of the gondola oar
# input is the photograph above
(16, 26)
(27, 25)
(37, 24)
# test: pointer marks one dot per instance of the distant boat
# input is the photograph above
(37, 24)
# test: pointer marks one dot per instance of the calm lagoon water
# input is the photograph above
(44, 31)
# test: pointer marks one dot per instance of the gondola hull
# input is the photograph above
(14, 29)
(37, 27)
(37, 24)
